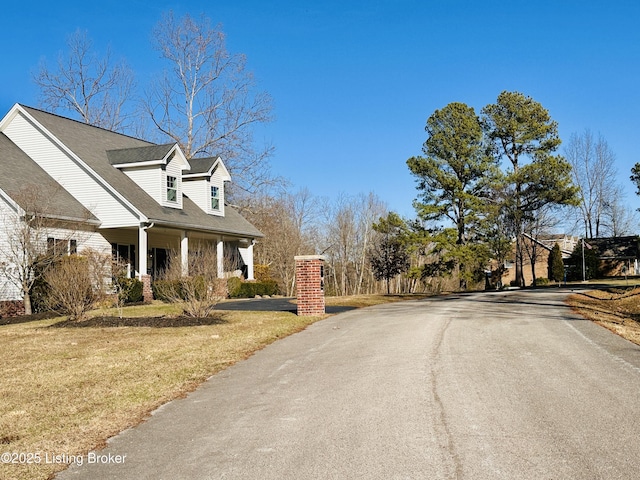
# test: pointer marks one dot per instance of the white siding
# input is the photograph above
(150, 179)
(73, 177)
(174, 169)
(199, 190)
(8, 218)
(8, 222)
(217, 180)
(196, 190)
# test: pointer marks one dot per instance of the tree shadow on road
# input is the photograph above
(272, 305)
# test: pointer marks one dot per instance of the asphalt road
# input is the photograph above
(480, 386)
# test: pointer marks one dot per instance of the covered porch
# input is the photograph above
(147, 251)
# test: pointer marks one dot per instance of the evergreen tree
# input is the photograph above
(455, 179)
(556, 265)
(520, 129)
(388, 256)
(591, 262)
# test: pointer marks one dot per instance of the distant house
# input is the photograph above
(539, 248)
(618, 255)
(132, 198)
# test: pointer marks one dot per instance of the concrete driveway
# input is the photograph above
(480, 386)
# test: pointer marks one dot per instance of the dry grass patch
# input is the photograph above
(65, 390)
(617, 309)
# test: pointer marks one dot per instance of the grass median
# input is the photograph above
(65, 388)
(616, 307)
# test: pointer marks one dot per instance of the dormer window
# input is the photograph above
(157, 169)
(172, 189)
(215, 198)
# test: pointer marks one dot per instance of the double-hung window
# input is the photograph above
(172, 189)
(59, 247)
(215, 198)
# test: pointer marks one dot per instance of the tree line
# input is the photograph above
(492, 184)
(486, 181)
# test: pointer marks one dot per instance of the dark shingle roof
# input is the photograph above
(20, 177)
(139, 154)
(201, 165)
(91, 144)
(615, 247)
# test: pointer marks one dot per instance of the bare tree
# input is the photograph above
(348, 233)
(288, 222)
(594, 172)
(26, 253)
(92, 87)
(618, 218)
(206, 101)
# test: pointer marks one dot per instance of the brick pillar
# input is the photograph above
(147, 293)
(310, 284)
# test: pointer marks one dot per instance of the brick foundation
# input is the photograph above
(147, 293)
(11, 308)
(310, 285)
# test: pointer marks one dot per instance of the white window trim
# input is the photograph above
(174, 188)
(212, 198)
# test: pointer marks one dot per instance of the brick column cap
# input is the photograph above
(310, 257)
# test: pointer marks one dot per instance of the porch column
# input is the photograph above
(145, 278)
(184, 253)
(220, 257)
(247, 257)
(142, 250)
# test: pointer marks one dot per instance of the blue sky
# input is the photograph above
(353, 82)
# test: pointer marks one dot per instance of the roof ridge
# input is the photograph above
(79, 122)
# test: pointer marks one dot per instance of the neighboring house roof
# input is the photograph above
(22, 180)
(565, 242)
(98, 148)
(615, 247)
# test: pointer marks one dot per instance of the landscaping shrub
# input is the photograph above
(38, 293)
(197, 294)
(165, 290)
(261, 272)
(542, 281)
(251, 289)
(71, 291)
(129, 289)
(233, 285)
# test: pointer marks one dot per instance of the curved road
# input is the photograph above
(480, 386)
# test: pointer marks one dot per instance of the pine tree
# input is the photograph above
(388, 256)
(556, 265)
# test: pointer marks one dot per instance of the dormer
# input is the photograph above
(155, 168)
(204, 184)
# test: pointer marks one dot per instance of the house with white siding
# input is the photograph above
(133, 198)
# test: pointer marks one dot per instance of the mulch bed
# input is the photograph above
(111, 321)
(155, 322)
(27, 318)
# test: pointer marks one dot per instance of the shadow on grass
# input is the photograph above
(153, 322)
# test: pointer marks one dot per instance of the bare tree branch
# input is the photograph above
(91, 87)
(206, 101)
